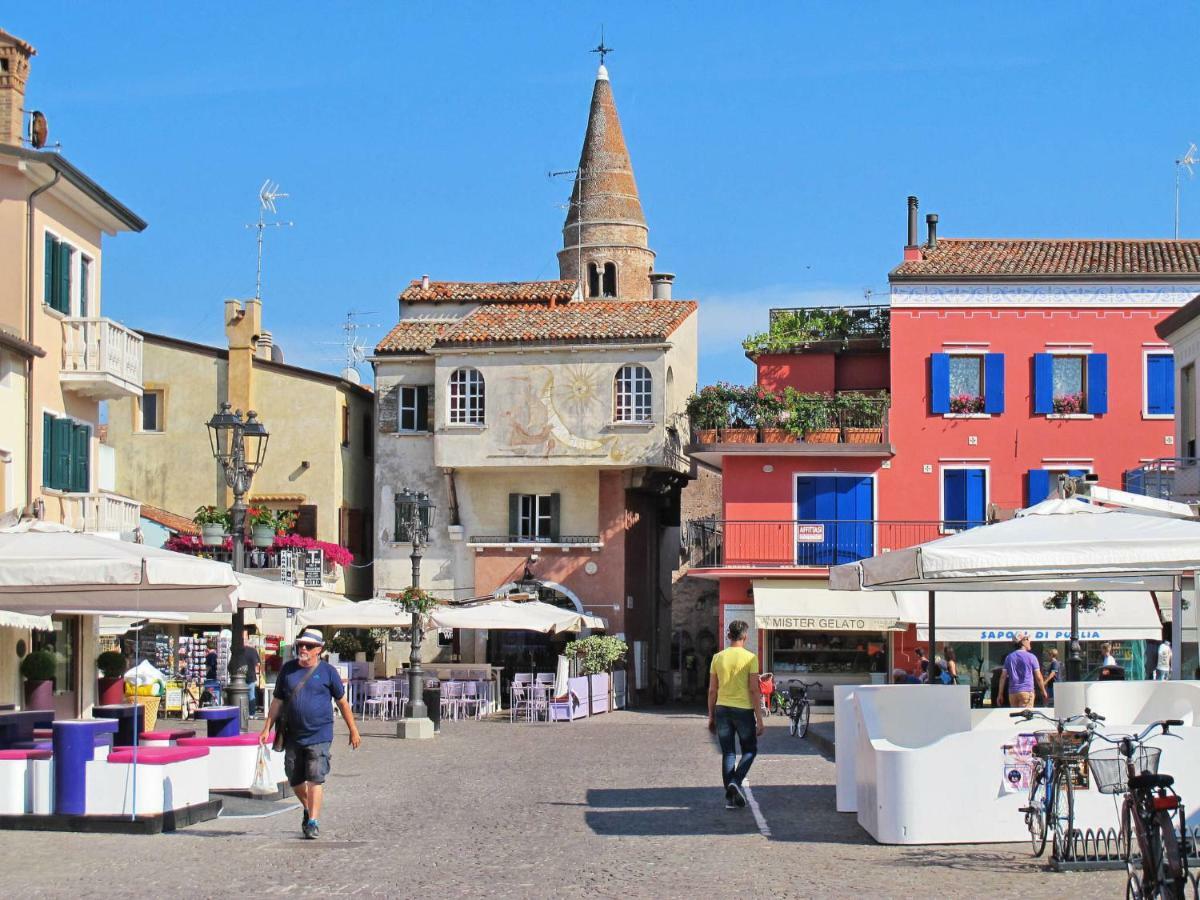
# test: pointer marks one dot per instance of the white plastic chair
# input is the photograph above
(375, 700)
(471, 702)
(452, 692)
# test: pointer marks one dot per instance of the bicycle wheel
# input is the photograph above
(1125, 834)
(1172, 870)
(1133, 887)
(802, 719)
(1035, 815)
(1062, 816)
(793, 714)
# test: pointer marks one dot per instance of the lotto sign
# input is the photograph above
(810, 534)
(314, 562)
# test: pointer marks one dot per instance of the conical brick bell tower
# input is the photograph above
(605, 238)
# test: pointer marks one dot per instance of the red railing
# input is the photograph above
(802, 543)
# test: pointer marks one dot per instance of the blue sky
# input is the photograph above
(774, 145)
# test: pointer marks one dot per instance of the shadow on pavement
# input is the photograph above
(628, 812)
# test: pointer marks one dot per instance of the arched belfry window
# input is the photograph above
(610, 279)
(593, 280)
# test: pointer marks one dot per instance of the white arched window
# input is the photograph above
(466, 397)
(633, 394)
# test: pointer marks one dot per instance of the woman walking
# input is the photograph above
(735, 710)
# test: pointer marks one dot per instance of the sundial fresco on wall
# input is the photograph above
(557, 413)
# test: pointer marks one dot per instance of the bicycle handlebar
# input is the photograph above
(1030, 714)
(1127, 741)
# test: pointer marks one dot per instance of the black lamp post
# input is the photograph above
(414, 517)
(239, 446)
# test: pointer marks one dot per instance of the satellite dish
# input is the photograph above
(39, 130)
(351, 375)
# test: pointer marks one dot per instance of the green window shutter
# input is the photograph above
(50, 264)
(81, 459)
(62, 296)
(47, 449)
(85, 271)
(514, 515)
(554, 506)
(61, 470)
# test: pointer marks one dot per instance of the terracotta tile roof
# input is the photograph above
(169, 520)
(610, 320)
(585, 320)
(488, 292)
(1021, 258)
(413, 335)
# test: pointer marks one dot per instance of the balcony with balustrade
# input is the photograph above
(100, 512)
(763, 547)
(102, 360)
(1169, 478)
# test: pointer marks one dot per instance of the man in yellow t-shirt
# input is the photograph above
(735, 708)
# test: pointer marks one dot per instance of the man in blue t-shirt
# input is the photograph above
(309, 686)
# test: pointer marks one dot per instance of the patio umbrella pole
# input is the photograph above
(1075, 661)
(932, 637)
(1177, 629)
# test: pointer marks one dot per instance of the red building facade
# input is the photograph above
(1007, 362)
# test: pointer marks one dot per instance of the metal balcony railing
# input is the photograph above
(1169, 478)
(865, 421)
(518, 539)
(804, 543)
(101, 358)
(836, 321)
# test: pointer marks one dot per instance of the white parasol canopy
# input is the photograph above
(46, 568)
(493, 615)
(21, 620)
(1055, 545)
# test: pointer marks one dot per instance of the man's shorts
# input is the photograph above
(1016, 699)
(306, 763)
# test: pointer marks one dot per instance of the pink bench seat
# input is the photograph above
(248, 739)
(156, 756)
(25, 754)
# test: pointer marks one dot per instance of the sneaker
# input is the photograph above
(312, 830)
(729, 801)
(739, 795)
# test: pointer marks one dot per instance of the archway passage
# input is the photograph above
(529, 651)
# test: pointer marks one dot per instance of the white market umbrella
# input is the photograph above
(45, 567)
(365, 614)
(21, 620)
(1056, 545)
(492, 615)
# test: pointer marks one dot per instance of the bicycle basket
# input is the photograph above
(1069, 744)
(1108, 768)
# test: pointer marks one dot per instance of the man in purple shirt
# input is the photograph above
(1022, 674)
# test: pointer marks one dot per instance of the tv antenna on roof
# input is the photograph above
(267, 195)
(354, 349)
(1184, 162)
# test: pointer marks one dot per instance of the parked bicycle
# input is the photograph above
(796, 705)
(1059, 759)
(1152, 814)
(766, 690)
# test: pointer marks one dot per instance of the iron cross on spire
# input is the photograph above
(601, 49)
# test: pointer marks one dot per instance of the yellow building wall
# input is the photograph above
(483, 497)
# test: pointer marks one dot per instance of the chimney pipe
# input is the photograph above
(424, 282)
(660, 285)
(912, 222)
(931, 221)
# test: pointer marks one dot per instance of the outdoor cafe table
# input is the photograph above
(222, 721)
(18, 725)
(129, 718)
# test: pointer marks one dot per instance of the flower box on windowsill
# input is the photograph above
(979, 415)
(1070, 416)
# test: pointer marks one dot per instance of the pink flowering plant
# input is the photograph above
(966, 403)
(1069, 404)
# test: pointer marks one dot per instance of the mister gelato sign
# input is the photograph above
(825, 623)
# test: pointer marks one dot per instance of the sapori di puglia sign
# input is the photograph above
(825, 623)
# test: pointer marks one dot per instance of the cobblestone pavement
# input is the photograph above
(623, 805)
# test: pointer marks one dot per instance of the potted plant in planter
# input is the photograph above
(708, 411)
(742, 427)
(770, 412)
(262, 526)
(1069, 404)
(862, 417)
(965, 404)
(817, 418)
(597, 655)
(214, 525)
(37, 668)
(112, 677)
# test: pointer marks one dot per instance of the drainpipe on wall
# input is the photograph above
(29, 309)
(452, 495)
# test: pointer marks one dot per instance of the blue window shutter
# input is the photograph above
(976, 497)
(939, 382)
(1043, 383)
(1039, 486)
(1160, 384)
(47, 449)
(954, 497)
(993, 383)
(1097, 383)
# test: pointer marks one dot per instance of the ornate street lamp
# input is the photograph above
(240, 447)
(415, 515)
